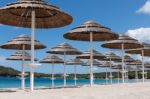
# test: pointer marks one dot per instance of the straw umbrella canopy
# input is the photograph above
(136, 62)
(22, 42)
(64, 49)
(118, 66)
(52, 60)
(127, 58)
(75, 62)
(33, 14)
(82, 32)
(95, 63)
(144, 52)
(91, 31)
(147, 64)
(123, 42)
(20, 14)
(112, 57)
(104, 64)
(86, 55)
(19, 55)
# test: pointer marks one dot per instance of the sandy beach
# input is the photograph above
(122, 91)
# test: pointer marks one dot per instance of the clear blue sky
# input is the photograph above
(119, 15)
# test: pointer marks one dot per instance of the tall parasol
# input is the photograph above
(127, 59)
(22, 42)
(23, 56)
(123, 42)
(112, 57)
(75, 62)
(64, 49)
(145, 51)
(33, 14)
(87, 55)
(88, 63)
(52, 60)
(118, 67)
(105, 64)
(136, 63)
(91, 31)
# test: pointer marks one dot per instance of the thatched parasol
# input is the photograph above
(23, 56)
(136, 63)
(99, 32)
(112, 57)
(75, 62)
(106, 64)
(33, 14)
(145, 51)
(91, 31)
(117, 67)
(95, 55)
(64, 49)
(123, 42)
(52, 60)
(127, 58)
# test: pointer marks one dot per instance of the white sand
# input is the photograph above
(122, 91)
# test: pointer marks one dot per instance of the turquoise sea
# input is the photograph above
(46, 82)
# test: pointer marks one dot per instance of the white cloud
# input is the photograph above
(142, 34)
(145, 8)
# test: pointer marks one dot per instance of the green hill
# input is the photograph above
(10, 72)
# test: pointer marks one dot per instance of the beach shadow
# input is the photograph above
(5, 91)
(57, 87)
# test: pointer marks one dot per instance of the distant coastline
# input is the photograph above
(10, 72)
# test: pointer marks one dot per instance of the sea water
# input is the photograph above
(46, 82)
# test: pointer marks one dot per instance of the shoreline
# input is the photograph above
(115, 91)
